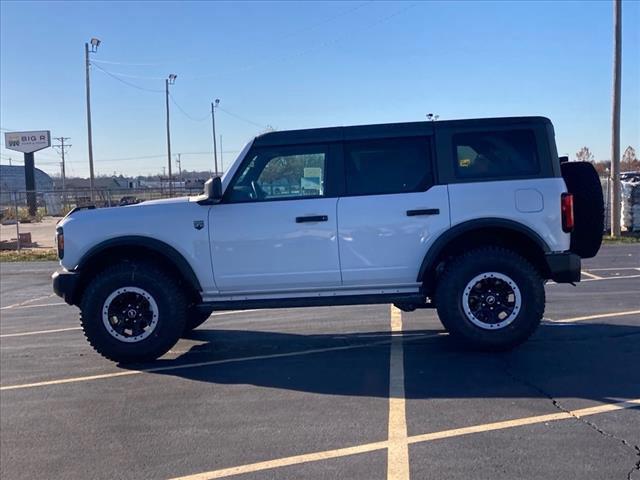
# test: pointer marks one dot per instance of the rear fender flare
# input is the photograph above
(433, 254)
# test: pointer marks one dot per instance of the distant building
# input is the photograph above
(12, 180)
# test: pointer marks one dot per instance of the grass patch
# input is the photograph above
(28, 255)
(625, 238)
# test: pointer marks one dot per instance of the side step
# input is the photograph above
(415, 300)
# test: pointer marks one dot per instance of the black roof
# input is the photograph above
(382, 130)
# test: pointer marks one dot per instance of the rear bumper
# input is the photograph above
(65, 285)
(564, 267)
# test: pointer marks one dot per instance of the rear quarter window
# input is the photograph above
(495, 154)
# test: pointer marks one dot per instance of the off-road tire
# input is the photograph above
(583, 183)
(168, 296)
(195, 318)
(462, 270)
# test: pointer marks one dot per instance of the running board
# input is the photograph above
(324, 301)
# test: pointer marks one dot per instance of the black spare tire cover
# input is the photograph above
(583, 182)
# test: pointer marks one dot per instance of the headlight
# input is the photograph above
(60, 242)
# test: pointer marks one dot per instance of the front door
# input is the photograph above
(276, 229)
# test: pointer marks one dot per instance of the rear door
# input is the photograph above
(276, 229)
(391, 212)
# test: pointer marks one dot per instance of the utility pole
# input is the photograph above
(213, 124)
(94, 48)
(179, 162)
(615, 120)
(62, 151)
(221, 162)
(169, 81)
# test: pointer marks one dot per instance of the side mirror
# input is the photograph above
(213, 190)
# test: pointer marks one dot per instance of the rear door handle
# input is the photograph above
(312, 218)
(423, 211)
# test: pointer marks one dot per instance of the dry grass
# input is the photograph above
(28, 255)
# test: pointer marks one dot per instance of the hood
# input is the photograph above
(162, 201)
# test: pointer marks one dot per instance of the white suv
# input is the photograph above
(468, 216)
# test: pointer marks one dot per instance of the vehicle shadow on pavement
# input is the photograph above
(589, 361)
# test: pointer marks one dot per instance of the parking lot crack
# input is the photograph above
(628, 445)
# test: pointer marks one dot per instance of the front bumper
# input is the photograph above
(564, 267)
(65, 285)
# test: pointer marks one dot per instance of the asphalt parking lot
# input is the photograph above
(342, 392)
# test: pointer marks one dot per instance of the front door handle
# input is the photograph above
(312, 218)
(423, 211)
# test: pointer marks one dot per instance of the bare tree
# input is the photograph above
(629, 155)
(630, 162)
(584, 155)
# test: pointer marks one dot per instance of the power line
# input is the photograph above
(192, 60)
(124, 81)
(182, 110)
(319, 46)
(251, 122)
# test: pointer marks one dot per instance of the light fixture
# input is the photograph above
(172, 78)
(95, 43)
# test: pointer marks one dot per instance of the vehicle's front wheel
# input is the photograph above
(490, 298)
(132, 312)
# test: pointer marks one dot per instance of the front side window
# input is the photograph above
(390, 165)
(281, 173)
(508, 153)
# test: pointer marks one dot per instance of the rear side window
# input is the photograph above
(498, 154)
(390, 165)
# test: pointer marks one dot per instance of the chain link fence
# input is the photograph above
(59, 202)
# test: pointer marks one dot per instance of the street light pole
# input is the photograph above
(213, 124)
(169, 81)
(94, 47)
(615, 120)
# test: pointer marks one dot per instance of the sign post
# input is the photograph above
(28, 143)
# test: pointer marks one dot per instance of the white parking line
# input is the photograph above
(398, 451)
(26, 302)
(39, 305)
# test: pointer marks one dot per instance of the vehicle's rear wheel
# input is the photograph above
(132, 312)
(490, 298)
(583, 183)
(195, 318)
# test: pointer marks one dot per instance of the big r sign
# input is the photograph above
(27, 142)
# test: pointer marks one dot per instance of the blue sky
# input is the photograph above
(305, 64)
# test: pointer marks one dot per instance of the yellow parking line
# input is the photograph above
(398, 451)
(593, 317)
(55, 330)
(520, 422)
(206, 364)
(428, 437)
(39, 332)
(612, 268)
(591, 275)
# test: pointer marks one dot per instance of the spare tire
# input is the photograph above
(583, 183)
